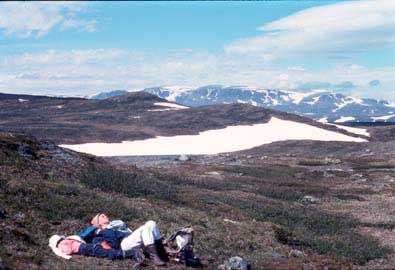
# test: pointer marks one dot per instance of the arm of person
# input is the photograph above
(97, 250)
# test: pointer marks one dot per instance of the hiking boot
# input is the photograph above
(160, 248)
(136, 254)
(154, 256)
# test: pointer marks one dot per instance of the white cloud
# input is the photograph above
(333, 29)
(90, 71)
(296, 68)
(56, 57)
(87, 25)
(27, 19)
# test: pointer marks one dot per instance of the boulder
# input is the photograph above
(310, 199)
(184, 158)
(20, 215)
(389, 178)
(276, 255)
(235, 263)
(296, 253)
(329, 160)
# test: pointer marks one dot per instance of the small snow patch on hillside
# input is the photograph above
(323, 120)
(343, 119)
(170, 105)
(21, 100)
(358, 131)
(384, 117)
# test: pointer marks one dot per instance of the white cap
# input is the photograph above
(53, 243)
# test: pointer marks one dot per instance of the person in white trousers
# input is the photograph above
(146, 237)
(141, 237)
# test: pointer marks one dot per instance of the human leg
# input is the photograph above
(146, 236)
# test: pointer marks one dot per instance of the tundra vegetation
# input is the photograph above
(239, 204)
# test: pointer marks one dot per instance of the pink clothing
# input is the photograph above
(69, 246)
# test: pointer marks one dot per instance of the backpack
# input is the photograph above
(180, 247)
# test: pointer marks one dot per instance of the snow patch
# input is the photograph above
(384, 117)
(162, 110)
(170, 105)
(323, 120)
(390, 104)
(298, 97)
(21, 100)
(357, 131)
(348, 100)
(343, 119)
(314, 101)
(229, 139)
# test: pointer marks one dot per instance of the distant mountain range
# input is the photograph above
(318, 104)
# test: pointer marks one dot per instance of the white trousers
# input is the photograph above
(143, 236)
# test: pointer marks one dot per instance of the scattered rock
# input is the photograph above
(310, 199)
(20, 215)
(308, 266)
(249, 156)
(231, 221)
(389, 178)
(184, 158)
(328, 175)
(235, 263)
(356, 176)
(213, 173)
(276, 255)
(329, 160)
(26, 151)
(264, 157)
(296, 253)
(47, 146)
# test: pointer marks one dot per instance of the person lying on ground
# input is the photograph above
(66, 246)
(115, 234)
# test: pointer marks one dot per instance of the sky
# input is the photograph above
(82, 48)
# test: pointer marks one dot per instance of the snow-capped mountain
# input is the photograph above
(104, 95)
(318, 104)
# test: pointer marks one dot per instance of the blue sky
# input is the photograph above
(81, 48)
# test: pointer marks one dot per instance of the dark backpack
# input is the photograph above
(180, 247)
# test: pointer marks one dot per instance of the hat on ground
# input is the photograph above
(53, 244)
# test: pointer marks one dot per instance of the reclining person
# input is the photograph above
(115, 233)
(67, 246)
